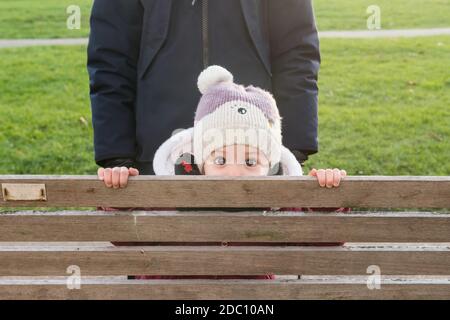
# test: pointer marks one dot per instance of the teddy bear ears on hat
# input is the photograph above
(212, 76)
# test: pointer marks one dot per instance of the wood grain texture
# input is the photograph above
(172, 226)
(172, 260)
(202, 191)
(18, 258)
(227, 289)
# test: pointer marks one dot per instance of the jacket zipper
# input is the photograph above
(205, 33)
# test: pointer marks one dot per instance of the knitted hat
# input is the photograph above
(230, 113)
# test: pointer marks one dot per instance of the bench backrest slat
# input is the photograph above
(184, 191)
(227, 289)
(253, 227)
(204, 260)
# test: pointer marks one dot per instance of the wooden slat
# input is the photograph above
(226, 289)
(207, 191)
(167, 226)
(171, 260)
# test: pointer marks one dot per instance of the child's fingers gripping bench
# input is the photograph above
(67, 254)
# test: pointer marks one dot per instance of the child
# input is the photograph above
(236, 132)
(226, 108)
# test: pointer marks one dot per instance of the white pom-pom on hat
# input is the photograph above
(212, 76)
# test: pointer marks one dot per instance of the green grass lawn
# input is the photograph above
(384, 109)
(395, 14)
(44, 95)
(385, 106)
(47, 18)
(41, 18)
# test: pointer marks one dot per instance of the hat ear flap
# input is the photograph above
(185, 165)
(276, 170)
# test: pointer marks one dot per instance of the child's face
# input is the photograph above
(236, 160)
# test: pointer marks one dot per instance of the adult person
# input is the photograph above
(144, 57)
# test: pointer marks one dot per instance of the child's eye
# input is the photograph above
(220, 161)
(251, 162)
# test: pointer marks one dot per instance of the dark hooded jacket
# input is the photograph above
(144, 57)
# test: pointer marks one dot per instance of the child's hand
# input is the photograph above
(117, 176)
(328, 177)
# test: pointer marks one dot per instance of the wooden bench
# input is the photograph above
(43, 253)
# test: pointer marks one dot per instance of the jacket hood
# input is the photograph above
(181, 142)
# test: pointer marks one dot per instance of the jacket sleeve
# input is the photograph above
(113, 52)
(117, 162)
(295, 61)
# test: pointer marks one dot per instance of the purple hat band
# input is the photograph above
(225, 92)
